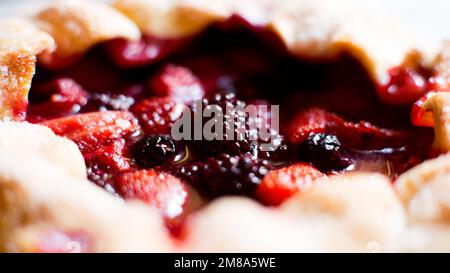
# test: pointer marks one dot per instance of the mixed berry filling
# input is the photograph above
(120, 102)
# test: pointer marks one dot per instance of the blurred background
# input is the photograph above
(429, 20)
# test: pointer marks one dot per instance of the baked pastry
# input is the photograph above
(92, 96)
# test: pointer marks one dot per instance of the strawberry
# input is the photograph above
(283, 183)
(156, 115)
(360, 135)
(100, 136)
(61, 90)
(177, 82)
(363, 135)
(158, 189)
(90, 129)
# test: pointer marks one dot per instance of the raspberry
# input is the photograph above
(157, 115)
(403, 86)
(178, 83)
(58, 98)
(108, 101)
(157, 189)
(283, 183)
(59, 90)
(224, 174)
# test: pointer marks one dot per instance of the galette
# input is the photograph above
(221, 126)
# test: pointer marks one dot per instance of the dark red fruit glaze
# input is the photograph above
(146, 51)
(120, 102)
(57, 98)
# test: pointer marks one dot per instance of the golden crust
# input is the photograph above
(22, 36)
(39, 194)
(442, 67)
(439, 105)
(426, 238)
(310, 29)
(326, 218)
(20, 41)
(425, 191)
(320, 29)
(24, 138)
(325, 29)
(354, 211)
(169, 19)
(16, 72)
(78, 25)
(237, 224)
(359, 213)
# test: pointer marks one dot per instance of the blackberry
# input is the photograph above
(155, 150)
(244, 138)
(325, 152)
(224, 174)
(282, 155)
